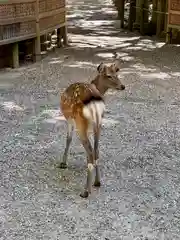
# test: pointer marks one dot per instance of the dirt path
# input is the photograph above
(140, 153)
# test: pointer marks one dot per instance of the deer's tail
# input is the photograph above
(94, 110)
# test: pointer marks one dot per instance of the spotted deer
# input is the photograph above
(83, 106)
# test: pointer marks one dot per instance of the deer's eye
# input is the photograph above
(109, 76)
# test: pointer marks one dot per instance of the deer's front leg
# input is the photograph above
(97, 181)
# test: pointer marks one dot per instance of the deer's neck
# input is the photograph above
(98, 82)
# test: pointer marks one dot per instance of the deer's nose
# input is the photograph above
(122, 87)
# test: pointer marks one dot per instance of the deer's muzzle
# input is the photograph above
(121, 87)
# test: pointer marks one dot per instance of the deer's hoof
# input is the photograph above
(63, 165)
(84, 194)
(97, 184)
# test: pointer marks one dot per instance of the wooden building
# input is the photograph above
(26, 21)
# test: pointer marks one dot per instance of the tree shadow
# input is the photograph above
(95, 31)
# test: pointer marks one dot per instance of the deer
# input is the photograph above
(83, 107)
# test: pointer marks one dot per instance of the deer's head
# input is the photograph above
(109, 76)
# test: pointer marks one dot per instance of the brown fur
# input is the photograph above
(73, 99)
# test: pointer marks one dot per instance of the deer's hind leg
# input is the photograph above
(97, 182)
(82, 126)
(70, 130)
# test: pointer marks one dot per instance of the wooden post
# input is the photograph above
(169, 35)
(1, 32)
(168, 29)
(136, 25)
(154, 14)
(15, 55)
(146, 12)
(166, 16)
(36, 49)
(159, 18)
(142, 20)
(65, 38)
(122, 13)
(59, 37)
(132, 14)
(43, 40)
(37, 40)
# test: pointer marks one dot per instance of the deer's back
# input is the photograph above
(75, 97)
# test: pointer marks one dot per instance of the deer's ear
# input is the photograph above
(116, 66)
(101, 68)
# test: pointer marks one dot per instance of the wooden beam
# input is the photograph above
(122, 13)
(160, 16)
(15, 55)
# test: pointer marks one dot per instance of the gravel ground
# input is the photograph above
(139, 147)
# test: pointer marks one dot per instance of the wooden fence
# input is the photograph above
(161, 19)
(29, 19)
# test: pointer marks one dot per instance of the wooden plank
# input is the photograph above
(174, 26)
(48, 30)
(174, 19)
(51, 13)
(51, 21)
(5, 2)
(174, 5)
(16, 20)
(16, 39)
(174, 12)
